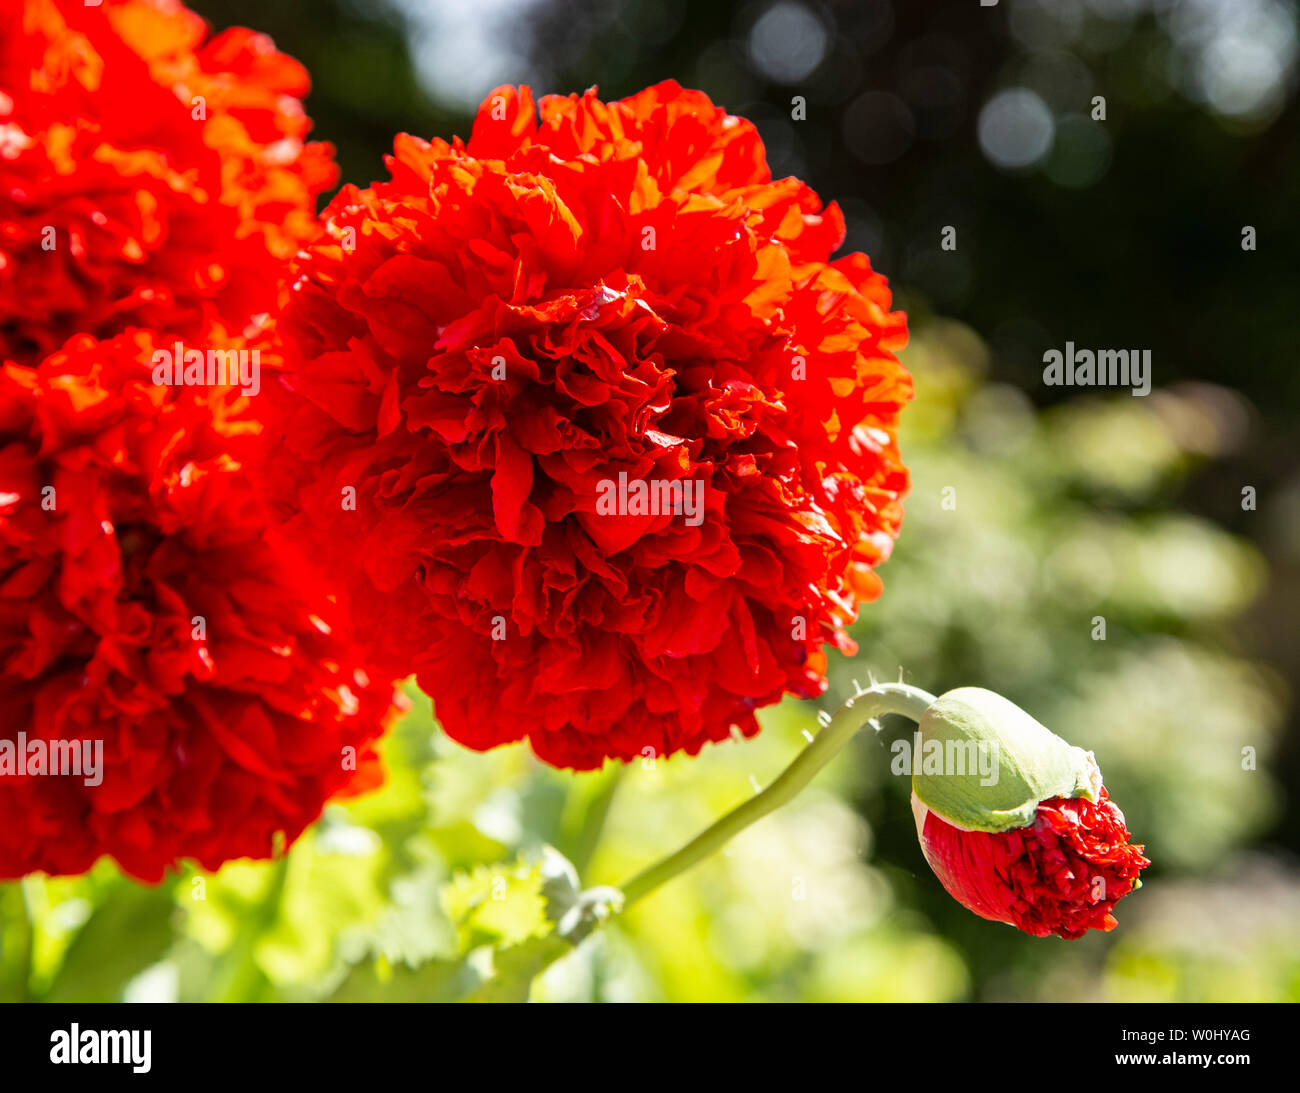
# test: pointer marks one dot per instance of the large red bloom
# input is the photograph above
(486, 342)
(1063, 874)
(149, 175)
(144, 604)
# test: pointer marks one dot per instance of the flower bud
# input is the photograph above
(1015, 822)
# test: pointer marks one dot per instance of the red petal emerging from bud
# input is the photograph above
(1063, 874)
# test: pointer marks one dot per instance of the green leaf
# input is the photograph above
(560, 886)
(434, 981)
(495, 907)
(98, 964)
(515, 968)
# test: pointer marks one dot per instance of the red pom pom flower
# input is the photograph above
(149, 175)
(592, 432)
(1015, 822)
(169, 686)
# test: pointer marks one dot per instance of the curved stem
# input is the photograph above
(860, 710)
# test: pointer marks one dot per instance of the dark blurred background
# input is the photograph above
(1074, 505)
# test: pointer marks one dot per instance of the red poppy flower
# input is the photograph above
(149, 175)
(597, 436)
(1063, 874)
(152, 626)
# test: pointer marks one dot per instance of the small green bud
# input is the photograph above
(983, 764)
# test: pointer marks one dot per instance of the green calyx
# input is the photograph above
(983, 764)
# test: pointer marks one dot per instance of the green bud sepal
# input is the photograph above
(983, 764)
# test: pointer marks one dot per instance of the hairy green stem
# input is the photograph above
(860, 710)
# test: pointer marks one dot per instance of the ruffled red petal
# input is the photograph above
(1062, 875)
(150, 175)
(146, 605)
(583, 290)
